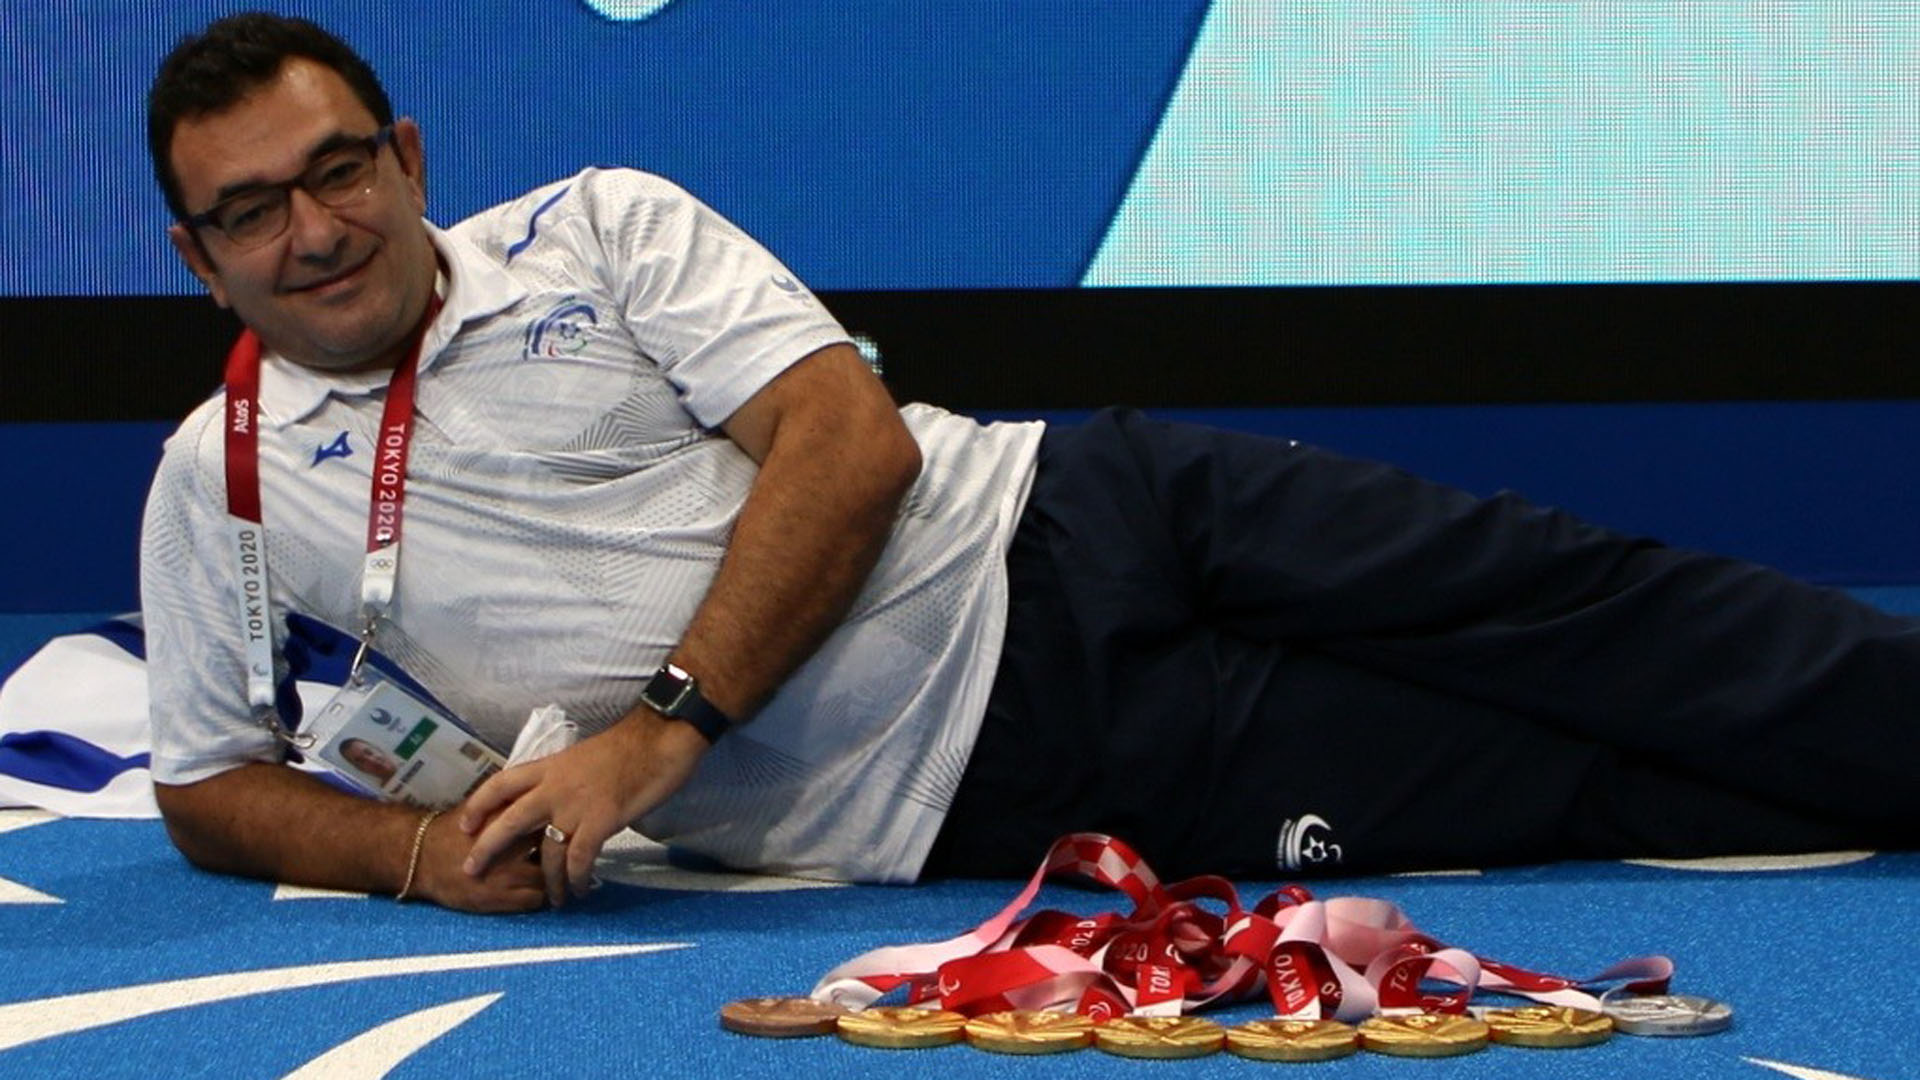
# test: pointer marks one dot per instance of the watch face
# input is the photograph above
(674, 693)
(667, 690)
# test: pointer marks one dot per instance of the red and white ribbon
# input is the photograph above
(1345, 958)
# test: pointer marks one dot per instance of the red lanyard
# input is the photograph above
(381, 567)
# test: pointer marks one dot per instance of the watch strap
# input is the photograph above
(673, 693)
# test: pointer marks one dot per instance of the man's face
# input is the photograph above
(366, 758)
(342, 288)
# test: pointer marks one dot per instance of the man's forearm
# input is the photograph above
(273, 822)
(811, 530)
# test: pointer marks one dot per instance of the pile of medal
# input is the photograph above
(1408, 1035)
(1342, 974)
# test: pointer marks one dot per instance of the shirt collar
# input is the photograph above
(475, 287)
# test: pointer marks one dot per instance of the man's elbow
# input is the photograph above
(898, 462)
(181, 810)
(202, 817)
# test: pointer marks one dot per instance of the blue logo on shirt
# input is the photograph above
(337, 448)
(562, 331)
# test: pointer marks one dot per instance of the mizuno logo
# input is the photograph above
(337, 448)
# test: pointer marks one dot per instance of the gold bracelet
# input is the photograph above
(413, 860)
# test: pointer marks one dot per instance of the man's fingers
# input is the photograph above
(582, 851)
(500, 789)
(521, 818)
(553, 863)
(512, 895)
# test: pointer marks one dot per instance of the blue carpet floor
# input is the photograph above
(1819, 964)
(119, 960)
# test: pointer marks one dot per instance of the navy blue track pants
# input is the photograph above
(1245, 655)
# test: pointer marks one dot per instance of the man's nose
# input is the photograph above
(315, 231)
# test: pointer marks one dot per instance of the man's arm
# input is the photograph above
(257, 818)
(274, 822)
(835, 461)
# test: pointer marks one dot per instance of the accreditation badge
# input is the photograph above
(387, 742)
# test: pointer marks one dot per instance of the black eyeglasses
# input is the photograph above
(338, 178)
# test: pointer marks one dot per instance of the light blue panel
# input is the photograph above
(1442, 141)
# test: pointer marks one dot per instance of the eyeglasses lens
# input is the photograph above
(340, 178)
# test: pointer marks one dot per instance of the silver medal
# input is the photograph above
(1668, 1015)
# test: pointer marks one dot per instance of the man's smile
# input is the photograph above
(330, 280)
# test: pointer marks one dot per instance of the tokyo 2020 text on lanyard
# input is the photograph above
(381, 566)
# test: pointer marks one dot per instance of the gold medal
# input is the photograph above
(781, 1018)
(893, 1027)
(1553, 1026)
(1423, 1035)
(1030, 1032)
(1293, 1040)
(1160, 1036)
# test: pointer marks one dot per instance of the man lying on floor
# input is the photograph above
(642, 476)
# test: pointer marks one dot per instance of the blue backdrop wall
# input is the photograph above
(1088, 146)
(1823, 490)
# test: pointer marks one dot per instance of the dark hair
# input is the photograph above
(210, 72)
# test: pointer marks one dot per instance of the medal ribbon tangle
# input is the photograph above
(1345, 958)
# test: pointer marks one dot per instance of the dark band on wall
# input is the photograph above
(154, 358)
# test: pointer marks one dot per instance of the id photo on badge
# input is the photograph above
(371, 747)
(389, 743)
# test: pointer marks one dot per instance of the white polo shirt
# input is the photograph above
(568, 502)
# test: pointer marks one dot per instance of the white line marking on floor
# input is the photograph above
(376, 1051)
(31, 1021)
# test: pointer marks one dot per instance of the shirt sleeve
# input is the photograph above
(714, 309)
(196, 666)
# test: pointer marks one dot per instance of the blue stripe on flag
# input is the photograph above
(56, 759)
(129, 636)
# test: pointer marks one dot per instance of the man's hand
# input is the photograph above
(513, 883)
(588, 791)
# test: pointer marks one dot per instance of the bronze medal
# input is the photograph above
(893, 1027)
(1423, 1035)
(1556, 1027)
(1030, 1032)
(780, 1017)
(1160, 1036)
(1293, 1040)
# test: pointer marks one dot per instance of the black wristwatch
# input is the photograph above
(674, 693)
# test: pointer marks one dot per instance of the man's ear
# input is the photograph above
(410, 148)
(194, 254)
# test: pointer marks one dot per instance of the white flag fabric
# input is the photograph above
(74, 736)
(73, 726)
